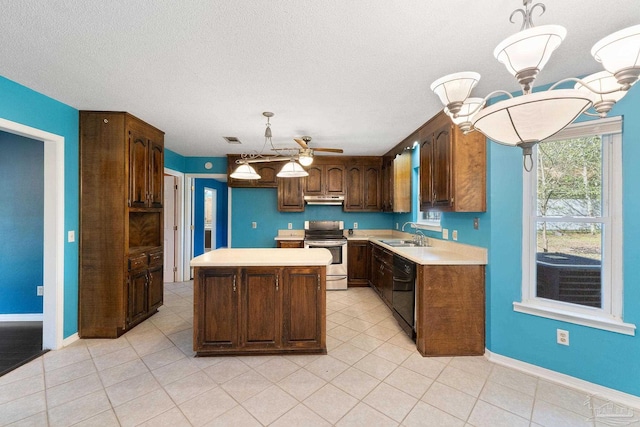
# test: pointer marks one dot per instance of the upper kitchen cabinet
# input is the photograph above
(290, 196)
(387, 173)
(452, 167)
(364, 192)
(402, 183)
(146, 165)
(121, 223)
(266, 170)
(326, 178)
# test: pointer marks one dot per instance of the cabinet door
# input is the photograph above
(357, 263)
(387, 184)
(426, 174)
(215, 324)
(156, 287)
(290, 197)
(314, 185)
(156, 174)
(260, 308)
(267, 172)
(137, 283)
(354, 200)
(334, 177)
(138, 169)
(302, 300)
(442, 166)
(371, 188)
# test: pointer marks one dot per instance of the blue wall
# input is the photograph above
(21, 223)
(198, 214)
(260, 205)
(23, 105)
(606, 358)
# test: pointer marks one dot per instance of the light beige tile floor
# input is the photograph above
(371, 376)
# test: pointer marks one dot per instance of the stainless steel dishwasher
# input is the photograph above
(404, 293)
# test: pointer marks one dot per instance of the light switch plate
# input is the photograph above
(445, 233)
(71, 236)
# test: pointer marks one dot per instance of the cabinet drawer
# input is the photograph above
(155, 258)
(137, 262)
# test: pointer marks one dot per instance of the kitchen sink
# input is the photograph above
(399, 243)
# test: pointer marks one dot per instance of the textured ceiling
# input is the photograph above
(352, 74)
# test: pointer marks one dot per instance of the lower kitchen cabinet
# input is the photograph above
(381, 273)
(253, 310)
(144, 286)
(290, 243)
(358, 263)
(450, 312)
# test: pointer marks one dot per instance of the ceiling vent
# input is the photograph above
(232, 140)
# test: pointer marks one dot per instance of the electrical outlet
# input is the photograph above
(290, 226)
(562, 336)
(254, 224)
(454, 235)
(355, 225)
(39, 290)
(396, 225)
(445, 233)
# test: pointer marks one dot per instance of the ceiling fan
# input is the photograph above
(305, 154)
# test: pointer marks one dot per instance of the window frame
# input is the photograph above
(610, 316)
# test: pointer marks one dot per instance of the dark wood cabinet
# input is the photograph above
(121, 223)
(303, 316)
(381, 273)
(364, 191)
(325, 179)
(290, 243)
(452, 167)
(216, 322)
(358, 263)
(450, 302)
(146, 166)
(259, 310)
(290, 195)
(387, 183)
(261, 305)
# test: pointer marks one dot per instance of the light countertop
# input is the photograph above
(268, 257)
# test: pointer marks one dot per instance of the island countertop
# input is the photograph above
(250, 257)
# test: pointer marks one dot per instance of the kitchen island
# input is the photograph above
(260, 301)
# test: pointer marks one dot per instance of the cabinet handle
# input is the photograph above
(149, 279)
(234, 283)
(318, 282)
(277, 284)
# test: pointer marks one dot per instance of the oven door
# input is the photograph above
(338, 249)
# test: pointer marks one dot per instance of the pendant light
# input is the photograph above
(292, 169)
(525, 120)
(245, 171)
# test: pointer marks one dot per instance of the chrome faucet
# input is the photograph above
(408, 222)
(421, 239)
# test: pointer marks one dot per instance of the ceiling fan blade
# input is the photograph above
(301, 143)
(330, 150)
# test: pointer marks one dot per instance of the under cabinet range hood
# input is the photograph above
(324, 200)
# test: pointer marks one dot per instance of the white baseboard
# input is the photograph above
(589, 388)
(25, 317)
(70, 339)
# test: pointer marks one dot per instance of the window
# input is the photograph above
(572, 228)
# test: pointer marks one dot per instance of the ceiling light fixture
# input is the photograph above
(525, 120)
(290, 170)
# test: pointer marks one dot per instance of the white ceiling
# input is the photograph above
(353, 74)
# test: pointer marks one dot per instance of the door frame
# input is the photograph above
(189, 188)
(180, 221)
(53, 236)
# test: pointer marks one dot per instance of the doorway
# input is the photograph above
(210, 195)
(53, 234)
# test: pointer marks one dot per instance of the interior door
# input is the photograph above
(170, 228)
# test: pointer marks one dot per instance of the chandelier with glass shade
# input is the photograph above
(291, 169)
(525, 120)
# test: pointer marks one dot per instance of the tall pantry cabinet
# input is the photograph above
(121, 230)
